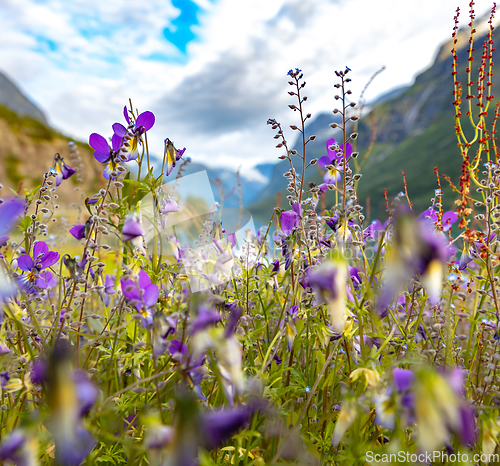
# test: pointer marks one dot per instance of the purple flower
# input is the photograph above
(92, 200)
(169, 206)
(337, 223)
(163, 326)
(332, 176)
(276, 267)
(297, 208)
(356, 279)
(142, 294)
(4, 379)
(38, 374)
(10, 210)
(81, 231)
(333, 156)
(448, 219)
(104, 153)
(329, 284)
(403, 379)
(132, 228)
(86, 392)
(171, 155)
(219, 426)
(322, 281)
(468, 428)
(78, 231)
(234, 318)
(12, 449)
(288, 221)
(418, 249)
(178, 350)
(63, 171)
(42, 259)
(206, 318)
(130, 137)
(371, 232)
(109, 289)
(71, 451)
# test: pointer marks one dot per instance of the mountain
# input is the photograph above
(415, 131)
(29, 145)
(12, 98)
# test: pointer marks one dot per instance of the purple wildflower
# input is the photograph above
(38, 374)
(171, 155)
(288, 221)
(132, 228)
(142, 294)
(81, 231)
(42, 259)
(86, 392)
(4, 379)
(63, 171)
(109, 289)
(12, 449)
(206, 318)
(178, 350)
(10, 210)
(104, 153)
(219, 426)
(130, 137)
(333, 156)
(78, 231)
(372, 231)
(275, 267)
(403, 379)
(234, 318)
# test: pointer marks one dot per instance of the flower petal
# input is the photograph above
(10, 210)
(145, 119)
(40, 249)
(125, 114)
(288, 220)
(25, 263)
(144, 279)
(151, 293)
(98, 143)
(403, 379)
(49, 259)
(116, 142)
(78, 231)
(119, 129)
(324, 161)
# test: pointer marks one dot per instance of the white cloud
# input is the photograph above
(217, 103)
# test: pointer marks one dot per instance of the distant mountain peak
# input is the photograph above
(13, 98)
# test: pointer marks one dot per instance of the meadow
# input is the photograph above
(175, 334)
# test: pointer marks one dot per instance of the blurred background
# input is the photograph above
(214, 71)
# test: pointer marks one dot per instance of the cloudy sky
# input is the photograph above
(212, 71)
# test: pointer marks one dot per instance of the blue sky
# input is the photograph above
(180, 31)
(213, 71)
